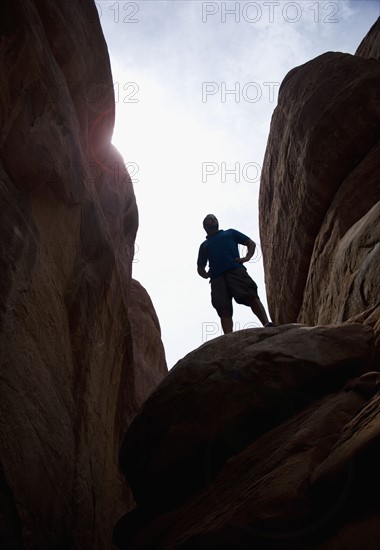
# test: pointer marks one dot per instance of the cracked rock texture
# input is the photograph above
(78, 353)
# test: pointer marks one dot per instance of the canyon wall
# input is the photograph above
(77, 333)
(320, 193)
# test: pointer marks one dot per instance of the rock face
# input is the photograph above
(254, 379)
(149, 364)
(237, 446)
(370, 45)
(72, 334)
(320, 193)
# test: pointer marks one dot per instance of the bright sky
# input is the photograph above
(196, 84)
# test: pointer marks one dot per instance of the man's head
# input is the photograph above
(210, 224)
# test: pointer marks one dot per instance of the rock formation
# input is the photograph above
(245, 442)
(149, 366)
(75, 343)
(370, 45)
(254, 379)
(319, 194)
(270, 438)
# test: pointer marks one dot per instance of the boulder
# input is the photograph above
(320, 179)
(269, 495)
(224, 395)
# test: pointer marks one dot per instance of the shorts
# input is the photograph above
(235, 283)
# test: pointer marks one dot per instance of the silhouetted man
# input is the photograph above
(228, 276)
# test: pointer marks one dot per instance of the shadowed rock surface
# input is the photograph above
(148, 353)
(245, 442)
(223, 395)
(72, 335)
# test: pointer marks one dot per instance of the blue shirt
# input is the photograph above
(220, 250)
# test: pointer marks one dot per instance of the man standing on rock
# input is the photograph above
(228, 276)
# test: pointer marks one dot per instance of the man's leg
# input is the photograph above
(258, 309)
(222, 302)
(226, 321)
(244, 290)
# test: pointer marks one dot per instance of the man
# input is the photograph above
(228, 276)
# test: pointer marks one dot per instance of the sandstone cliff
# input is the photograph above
(269, 439)
(319, 194)
(76, 333)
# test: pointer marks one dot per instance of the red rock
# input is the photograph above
(345, 265)
(323, 144)
(357, 435)
(148, 352)
(226, 393)
(370, 317)
(69, 384)
(262, 496)
(370, 45)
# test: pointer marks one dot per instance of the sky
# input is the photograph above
(196, 84)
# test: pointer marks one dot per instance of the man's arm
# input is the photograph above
(202, 262)
(203, 273)
(251, 247)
